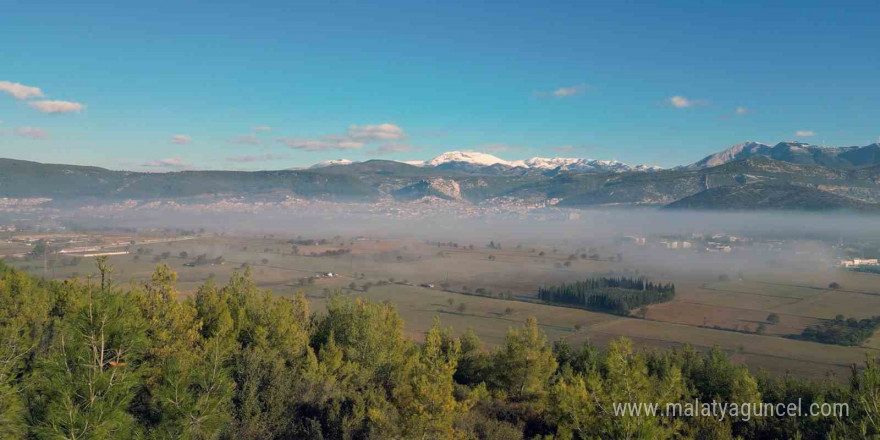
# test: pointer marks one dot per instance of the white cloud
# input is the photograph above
(261, 128)
(375, 133)
(181, 139)
(393, 148)
(804, 133)
(173, 163)
(356, 137)
(246, 139)
(742, 110)
(20, 91)
(255, 158)
(564, 92)
(680, 102)
(320, 145)
(32, 132)
(57, 106)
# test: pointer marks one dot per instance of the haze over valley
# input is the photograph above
(276, 220)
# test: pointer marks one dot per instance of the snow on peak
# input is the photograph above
(541, 163)
(415, 163)
(472, 157)
(549, 163)
(572, 163)
(327, 163)
(538, 163)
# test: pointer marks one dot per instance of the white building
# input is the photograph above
(859, 262)
(678, 244)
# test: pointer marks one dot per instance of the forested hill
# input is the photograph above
(87, 359)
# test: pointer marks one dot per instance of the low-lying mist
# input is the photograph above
(559, 225)
(766, 241)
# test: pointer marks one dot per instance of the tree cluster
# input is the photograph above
(330, 253)
(308, 241)
(616, 295)
(842, 331)
(203, 260)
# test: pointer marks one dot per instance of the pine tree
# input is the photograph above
(89, 376)
(526, 362)
(429, 407)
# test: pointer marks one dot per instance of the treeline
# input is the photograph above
(84, 359)
(866, 269)
(308, 241)
(842, 331)
(203, 260)
(616, 295)
(331, 253)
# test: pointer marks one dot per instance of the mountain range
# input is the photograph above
(484, 163)
(751, 175)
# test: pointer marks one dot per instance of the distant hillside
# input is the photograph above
(377, 167)
(796, 152)
(740, 151)
(436, 187)
(20, 179)
(763, 196)
(667, 186)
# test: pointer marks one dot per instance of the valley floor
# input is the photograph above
(426, 281)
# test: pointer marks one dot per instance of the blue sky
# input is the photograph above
(267, 85)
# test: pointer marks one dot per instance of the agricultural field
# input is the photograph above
(489, 289)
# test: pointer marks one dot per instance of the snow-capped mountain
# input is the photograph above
(471, 157)
(549, 163)
(327, 163)
(415, 163)
(475, 161)
(474, 158)
(577, 164)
